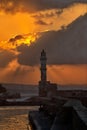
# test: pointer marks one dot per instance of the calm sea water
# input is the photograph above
(15, 117)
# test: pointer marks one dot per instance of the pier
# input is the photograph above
(72, 116)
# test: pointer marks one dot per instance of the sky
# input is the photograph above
(58, 26)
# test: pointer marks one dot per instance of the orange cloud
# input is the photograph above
(16, 73)
(18, 40)
(24, 23)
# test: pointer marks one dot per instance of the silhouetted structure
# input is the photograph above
(59, 109)
(45, 87)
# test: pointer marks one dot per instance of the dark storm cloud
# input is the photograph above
(13, 6)
(41, 22)
(6, 57)
(67, 46)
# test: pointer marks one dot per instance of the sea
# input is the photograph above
(15, 117)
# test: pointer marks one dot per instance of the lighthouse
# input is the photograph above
(45, 87)
(43, 68)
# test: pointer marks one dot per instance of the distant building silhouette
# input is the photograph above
(45, 87)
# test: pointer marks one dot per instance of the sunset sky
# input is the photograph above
(58, 26)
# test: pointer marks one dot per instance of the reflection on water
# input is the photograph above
(15, 117)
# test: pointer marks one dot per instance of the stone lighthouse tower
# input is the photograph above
(43, 69)
(46, 89)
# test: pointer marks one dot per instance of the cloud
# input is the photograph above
(6, 57)
(15, 73)
(59, 12)
(41, 15)
(13, 6)
(18, 37)
(41, 22)
(67, 46)
(18, 70)
(12, 43)
(48, 15)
